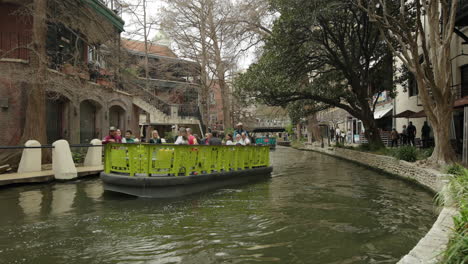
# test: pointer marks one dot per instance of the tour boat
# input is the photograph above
(165, 171)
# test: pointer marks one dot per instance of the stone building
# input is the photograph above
(84, 96)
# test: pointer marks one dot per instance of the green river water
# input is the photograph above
(315, 209)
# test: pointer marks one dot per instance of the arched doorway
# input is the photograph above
(117, 117)
(57, 116)
(88, 121)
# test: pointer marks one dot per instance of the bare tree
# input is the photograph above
(420, 34)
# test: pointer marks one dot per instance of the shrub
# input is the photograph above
(364, 147)
(456, 169)
(407, 153)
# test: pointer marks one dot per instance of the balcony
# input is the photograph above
(461, 19)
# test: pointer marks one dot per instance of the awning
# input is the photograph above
(379, 113)
(405, 114)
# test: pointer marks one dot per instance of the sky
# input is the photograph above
(154, 7)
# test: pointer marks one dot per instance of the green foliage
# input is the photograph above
(407, 153)
(78, 156)
(169, 136)
(457, 248)
(456, 169)
(289, 129)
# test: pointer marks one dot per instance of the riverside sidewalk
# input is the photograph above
(44, 176)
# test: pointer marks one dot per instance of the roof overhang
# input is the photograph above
(101, 9)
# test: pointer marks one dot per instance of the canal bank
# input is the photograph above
(431, 246)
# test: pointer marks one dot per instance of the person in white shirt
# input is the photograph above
(182, 139)
(239, 140)
(245, 139)
(229, 140)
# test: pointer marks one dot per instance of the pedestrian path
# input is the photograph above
(44, 176)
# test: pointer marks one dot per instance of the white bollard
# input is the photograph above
(62, 161)
(31, 158)
(94, 156)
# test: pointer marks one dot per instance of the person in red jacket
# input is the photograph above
(112, 137)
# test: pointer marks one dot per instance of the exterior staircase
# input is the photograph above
(161, 112)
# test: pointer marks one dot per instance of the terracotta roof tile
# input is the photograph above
(153, 48)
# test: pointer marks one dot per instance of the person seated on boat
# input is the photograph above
(182, 138)
(214, 140)
(239, 130)
(245, 139)
(112, 137)
(199, 140)
(155, 138)
(206, 140)
(239, 140)
(192, 140)
(229, 141)
(129, 137)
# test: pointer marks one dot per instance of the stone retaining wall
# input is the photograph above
(434, 242)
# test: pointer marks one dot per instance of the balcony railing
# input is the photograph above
(13, 45)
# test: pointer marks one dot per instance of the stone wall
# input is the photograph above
(431, 179)
(429, 248)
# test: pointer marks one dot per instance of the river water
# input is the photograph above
(315, 209)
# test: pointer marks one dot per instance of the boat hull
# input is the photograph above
(176, 186)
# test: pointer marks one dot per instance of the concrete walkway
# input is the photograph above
(44, 176)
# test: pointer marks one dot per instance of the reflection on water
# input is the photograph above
(30, 202)
(315, 209)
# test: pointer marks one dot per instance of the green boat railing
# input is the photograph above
(176, 160)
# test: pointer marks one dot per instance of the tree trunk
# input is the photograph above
(35, 121)
(145, 35)
(314, 128)
(372, 133)
(443, 153)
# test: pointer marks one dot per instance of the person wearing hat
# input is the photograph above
(239, 130)
(112, 137)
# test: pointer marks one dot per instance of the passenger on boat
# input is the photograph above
(245, 139)
(229, 140)
(239, 140)
(214, 140)
(240, 129)
(129, 137)
(182, 139)
(112, 137)
(191, 139)
(155, 138)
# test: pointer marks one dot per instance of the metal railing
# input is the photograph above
(49, 146)
(175, 160)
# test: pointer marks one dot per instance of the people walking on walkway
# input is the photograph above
(182, 138)
(394, 137)
(155, 138)
(191, 139)
(338, 135)
(404, 135)
(112, 137)
(349, 137)
(425, 133)
(411, 131)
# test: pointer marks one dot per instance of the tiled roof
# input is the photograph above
(139, 46)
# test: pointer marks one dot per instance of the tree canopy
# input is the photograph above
(326, 52)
